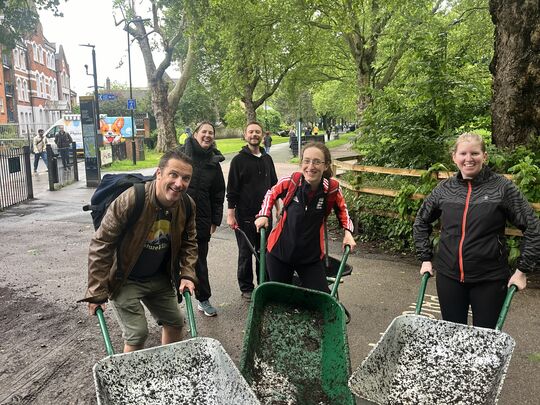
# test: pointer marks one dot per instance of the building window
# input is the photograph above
(16, 57)
(1, 105)
(25, 90)
(35, 52)
(19, 90)
(23, 59)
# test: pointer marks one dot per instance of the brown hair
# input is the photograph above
(205, 122)
(327, 156)
(469, 137)
(253, 123)
(174, 154)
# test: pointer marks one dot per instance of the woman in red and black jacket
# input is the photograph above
(297, 241)
(472, 259)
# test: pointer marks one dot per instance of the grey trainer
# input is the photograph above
(207, 308)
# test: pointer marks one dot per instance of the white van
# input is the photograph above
(72, 125)
(113, 129)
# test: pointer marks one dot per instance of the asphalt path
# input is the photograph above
(44, 247)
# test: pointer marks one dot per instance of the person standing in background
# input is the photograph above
(207, 188)
(40, 149)
(251, 175)
(63, 141)
(267, 141)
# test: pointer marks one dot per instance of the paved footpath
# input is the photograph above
(43, 258)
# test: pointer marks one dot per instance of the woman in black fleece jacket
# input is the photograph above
(207, 188)
(472, 258)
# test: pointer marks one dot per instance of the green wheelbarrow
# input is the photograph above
(420, 360)
(194, 371)
(295, 347)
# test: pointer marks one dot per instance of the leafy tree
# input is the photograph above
(375, 34)
(170, 25)
(441, 88)
(253, 47)
(196, 104)
(19, 18)
(270, 119)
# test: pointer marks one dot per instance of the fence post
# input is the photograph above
(28, 170)
(75, 165)
(52, 166)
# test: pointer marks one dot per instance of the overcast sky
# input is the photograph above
(92, 22)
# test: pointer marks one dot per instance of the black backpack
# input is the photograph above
(111, 186)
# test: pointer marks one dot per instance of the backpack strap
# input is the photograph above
(139, 205)
(133, 217)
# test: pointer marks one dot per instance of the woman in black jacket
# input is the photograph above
(207, 188)
(472, 258)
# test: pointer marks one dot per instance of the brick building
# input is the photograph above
(35, 83)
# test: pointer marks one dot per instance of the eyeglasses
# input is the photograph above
(315, 162)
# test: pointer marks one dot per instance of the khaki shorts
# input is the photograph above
(158, 295)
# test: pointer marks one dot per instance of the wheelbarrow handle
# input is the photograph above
(506, 306)
(104, 331)
(342, 264)
(262, 257)
(421, 293)
(251, 247)
(190, 314)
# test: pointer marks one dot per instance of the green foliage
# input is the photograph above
(20, 19)
(527, 178)
(196, 105)
(512, 243)
(235, 116)
(270, 119)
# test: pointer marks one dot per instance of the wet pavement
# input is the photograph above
(45, 242)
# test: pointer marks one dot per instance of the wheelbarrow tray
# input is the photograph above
(420, 360)
(295, 347)
(194, 371)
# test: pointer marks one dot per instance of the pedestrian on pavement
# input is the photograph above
(207, 188)
(63, 141)
(251, 175)
(267, 141)
(328, 132)
(140, 265)
(40, 149)
(315, 130)
(297, 241)
(472, 259)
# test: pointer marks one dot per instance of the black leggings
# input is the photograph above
(485, 298)
(311, 275)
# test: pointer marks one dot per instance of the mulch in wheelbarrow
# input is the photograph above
(196, 371)
(420, 360)
(295, 349)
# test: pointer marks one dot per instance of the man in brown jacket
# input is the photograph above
(140, 266)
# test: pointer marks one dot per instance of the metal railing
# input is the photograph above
(62, 166)
(15, 176)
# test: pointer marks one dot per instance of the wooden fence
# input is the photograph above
(347, 164)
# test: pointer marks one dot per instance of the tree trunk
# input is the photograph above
(515, 68)
(164, 116)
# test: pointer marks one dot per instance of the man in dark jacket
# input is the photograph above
(63, 141)
(251, 175)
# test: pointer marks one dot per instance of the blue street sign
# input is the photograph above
(131, 104)
(107, 97)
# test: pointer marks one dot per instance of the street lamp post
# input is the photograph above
(99, 140)
(133, 130)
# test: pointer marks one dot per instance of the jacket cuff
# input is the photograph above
(193, 280)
